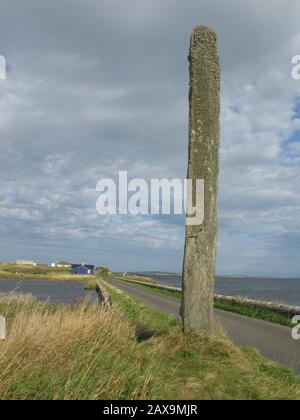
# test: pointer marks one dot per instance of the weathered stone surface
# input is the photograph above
(204, 139)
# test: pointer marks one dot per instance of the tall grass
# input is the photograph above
(130, 352)
(80, 352)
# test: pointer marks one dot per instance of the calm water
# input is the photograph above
(55, 292)
(275, 290)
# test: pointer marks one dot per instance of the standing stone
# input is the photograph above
(204, 140)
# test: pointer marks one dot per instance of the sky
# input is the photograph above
(98, 86)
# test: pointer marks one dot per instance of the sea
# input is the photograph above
(281, 290)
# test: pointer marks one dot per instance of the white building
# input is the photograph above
(63, 264)
(26, 262)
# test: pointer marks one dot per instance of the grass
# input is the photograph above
(142, 316)
(131, 352)
(199, 368)
(91, 284)
(79, 352)
(133, 277)
(18, 272)
(23, 272)
(253, 312)
(241, 309)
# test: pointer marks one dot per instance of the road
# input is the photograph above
(273, 341)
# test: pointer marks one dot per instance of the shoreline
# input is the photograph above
(63, 277)
(154, 274)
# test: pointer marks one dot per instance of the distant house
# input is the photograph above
(83, 269)
(63, 264)
(26, 262)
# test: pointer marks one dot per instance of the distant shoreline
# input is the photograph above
(219, 277)
(150, 276)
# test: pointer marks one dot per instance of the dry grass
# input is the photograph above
(130, 352)
(80, 352)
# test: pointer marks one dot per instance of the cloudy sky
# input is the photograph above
(98, 86)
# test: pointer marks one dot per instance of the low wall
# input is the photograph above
(285, 310)
(103, 297)
(153, 285)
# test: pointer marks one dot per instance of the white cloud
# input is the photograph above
(103, 88)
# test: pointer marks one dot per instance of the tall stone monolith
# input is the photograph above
(204, 139)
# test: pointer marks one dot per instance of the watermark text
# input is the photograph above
(2, 328)
(296, 329)
(296, 67)
(155, 197)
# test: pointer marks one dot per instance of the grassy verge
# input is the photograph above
(199, 368)
(241, 309)
(133, 277)
(252, 312)
(130, 352)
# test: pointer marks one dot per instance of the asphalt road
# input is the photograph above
(273, 341)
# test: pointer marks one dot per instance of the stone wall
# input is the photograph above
(285, 310)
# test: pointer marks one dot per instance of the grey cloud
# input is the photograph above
(95, 87)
